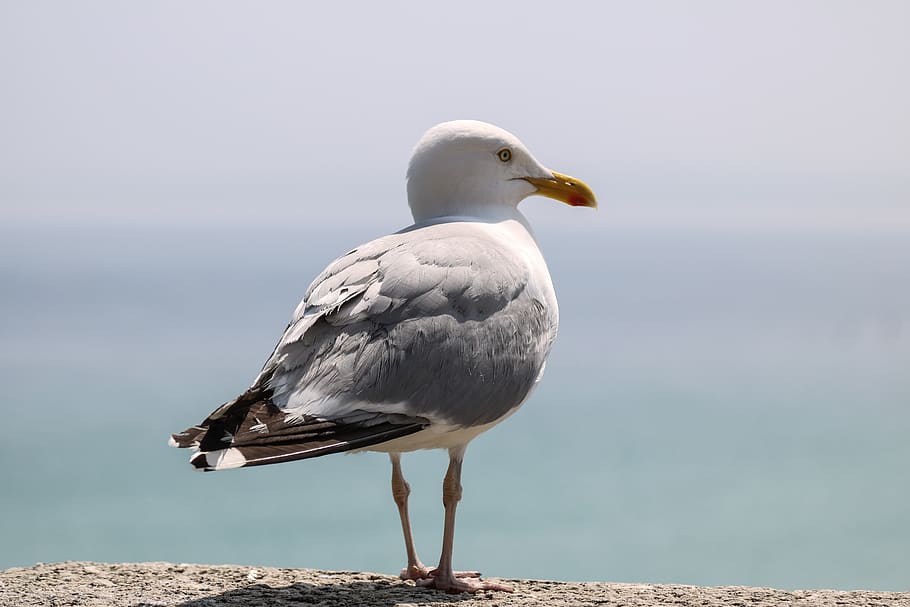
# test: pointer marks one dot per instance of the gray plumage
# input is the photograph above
(437, 326)
(402, 326)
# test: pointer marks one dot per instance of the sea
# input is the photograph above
(722, 407)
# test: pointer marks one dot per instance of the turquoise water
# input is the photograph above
(719, 409)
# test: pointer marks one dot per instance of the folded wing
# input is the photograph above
(432, 326)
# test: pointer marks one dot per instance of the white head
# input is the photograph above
(471, 168)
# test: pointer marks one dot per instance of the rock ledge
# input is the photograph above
(166, 584)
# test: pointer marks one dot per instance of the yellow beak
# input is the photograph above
(566, 189)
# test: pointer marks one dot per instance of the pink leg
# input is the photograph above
(443, 577)
(415, 570)
(400, 492)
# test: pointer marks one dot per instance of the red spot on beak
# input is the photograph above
(578, 201)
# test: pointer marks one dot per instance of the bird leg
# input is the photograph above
(443, 577)
(400, 492)
(415, 570)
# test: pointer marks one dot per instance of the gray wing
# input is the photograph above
(432, 326)
(435, 324)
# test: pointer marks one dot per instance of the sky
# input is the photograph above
(221, 113)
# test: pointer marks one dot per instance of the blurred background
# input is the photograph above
(729, 398)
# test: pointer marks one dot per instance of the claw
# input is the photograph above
(416, 572)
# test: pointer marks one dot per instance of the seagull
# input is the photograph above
(422, 339)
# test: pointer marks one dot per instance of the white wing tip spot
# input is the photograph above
(259, 427)
(223, 459)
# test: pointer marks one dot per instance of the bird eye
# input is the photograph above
(505, 154)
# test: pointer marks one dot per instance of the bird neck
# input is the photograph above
(475, 195)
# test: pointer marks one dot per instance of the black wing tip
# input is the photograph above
(253, 431)
(244, 456)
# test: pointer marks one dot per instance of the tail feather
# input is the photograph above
(252, 431)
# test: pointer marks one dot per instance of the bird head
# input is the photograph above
(467, 167)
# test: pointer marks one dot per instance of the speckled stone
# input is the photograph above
(167, 584)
